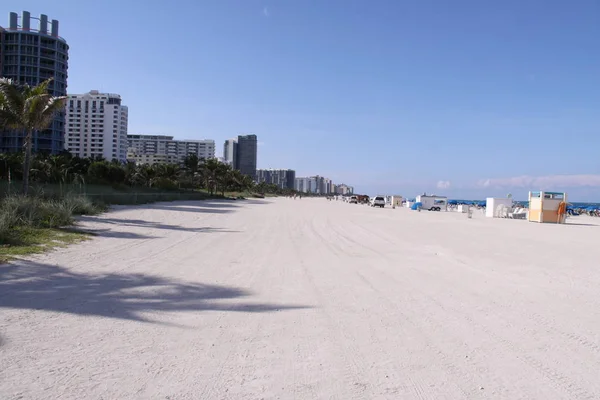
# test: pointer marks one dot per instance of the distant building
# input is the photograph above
(320, 185)
(230, 152)
(151, 149)
(96, 126)
(344, 189)
(31, 55)
(308, 185)
(150, 159)
(283, 178)
(246, 155)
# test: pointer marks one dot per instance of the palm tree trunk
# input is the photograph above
(27, 160)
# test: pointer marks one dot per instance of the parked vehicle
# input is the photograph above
(378, 201)
(433, 203)
(362, 199)
(353, 200)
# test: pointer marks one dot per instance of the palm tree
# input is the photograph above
(224, 178)
(247, 182)
(210, 169)
(191, 165)
(27, 109)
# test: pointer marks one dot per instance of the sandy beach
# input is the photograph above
(305, 299)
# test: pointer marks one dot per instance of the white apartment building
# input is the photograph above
(152, 149)
(307, 185)
(320, 185)
(230, 152)
(96, 125)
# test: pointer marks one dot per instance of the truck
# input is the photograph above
(433, 202)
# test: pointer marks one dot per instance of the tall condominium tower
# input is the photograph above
(247, 154)
(230, 152)
(30, 55)
(283, 178)
(97, 126)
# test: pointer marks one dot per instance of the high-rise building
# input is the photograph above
(96, 126)
(31, 55)
(344, 189)
(247, 154)
(152, 149)
(320, 185)
(283, 178)
(230, 152)
(307, 185)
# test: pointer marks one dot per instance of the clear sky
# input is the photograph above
(468, 98)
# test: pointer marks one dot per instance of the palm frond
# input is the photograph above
(8, 120)
(42, 88)
(53, 106)
(12, 96)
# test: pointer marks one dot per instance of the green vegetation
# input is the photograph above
(113, 182)
(31, 224)
(25, 241)
(27, 109)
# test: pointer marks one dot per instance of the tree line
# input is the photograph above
(194, 173)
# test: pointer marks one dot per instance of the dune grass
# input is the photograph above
(30, 224)
(23, 241)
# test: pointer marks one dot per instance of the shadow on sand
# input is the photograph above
(579, 224)
(31, 285)
(112, 234)
(215, 207)
(142, 224)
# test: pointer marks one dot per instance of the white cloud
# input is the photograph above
(443, 184)
(261, 144)
(266, 12)
(542, 182)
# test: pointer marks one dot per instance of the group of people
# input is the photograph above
(584, 211)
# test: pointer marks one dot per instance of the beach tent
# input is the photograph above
(416, 206)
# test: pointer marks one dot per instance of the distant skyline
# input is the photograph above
(466, 98)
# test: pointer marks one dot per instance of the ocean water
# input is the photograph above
(588, 206)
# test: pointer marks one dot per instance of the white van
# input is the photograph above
(378, 201)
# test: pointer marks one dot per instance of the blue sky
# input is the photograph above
(466, 98)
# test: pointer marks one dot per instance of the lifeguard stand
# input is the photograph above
(544, 207)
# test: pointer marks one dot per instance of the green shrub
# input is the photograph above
(8, 219)
(35, 212)
(164, 184)
(55, 213)
(26, 211)
(81, 205)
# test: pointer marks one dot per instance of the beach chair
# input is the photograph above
(519, 213)
(502, 211)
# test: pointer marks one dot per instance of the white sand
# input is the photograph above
(305, 299)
